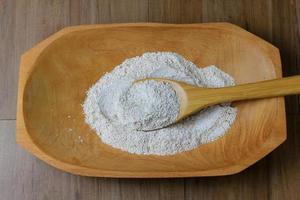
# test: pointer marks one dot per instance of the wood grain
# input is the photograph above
(275, 177)
(8, 61)
(175, 11)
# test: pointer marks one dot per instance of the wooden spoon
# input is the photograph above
(193, 98)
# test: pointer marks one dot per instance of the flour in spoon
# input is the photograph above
(121, 113)
(148, 105)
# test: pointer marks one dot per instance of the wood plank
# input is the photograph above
(36, 21)
(258, 18)
(223, 11)
(83, 12)
(108, 11)
(153, 189)
(149, 188)
(116, 11)
(8, 60)
(175, 11)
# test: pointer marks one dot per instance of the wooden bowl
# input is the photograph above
(56, 73)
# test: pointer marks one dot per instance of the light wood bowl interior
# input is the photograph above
(55, 75)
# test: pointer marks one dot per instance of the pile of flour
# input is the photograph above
(117, 109)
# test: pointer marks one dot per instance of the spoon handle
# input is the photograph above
(264, 89)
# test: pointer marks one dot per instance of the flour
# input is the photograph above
(148, 105)
(112, 104)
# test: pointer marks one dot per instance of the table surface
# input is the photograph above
(25, 23)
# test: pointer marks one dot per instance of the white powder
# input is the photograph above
(148, 105)
(113, 98)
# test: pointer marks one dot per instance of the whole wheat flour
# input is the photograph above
(112, 104)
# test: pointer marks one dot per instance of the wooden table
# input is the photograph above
(23, 23)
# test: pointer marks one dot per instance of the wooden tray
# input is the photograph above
(55, 74)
